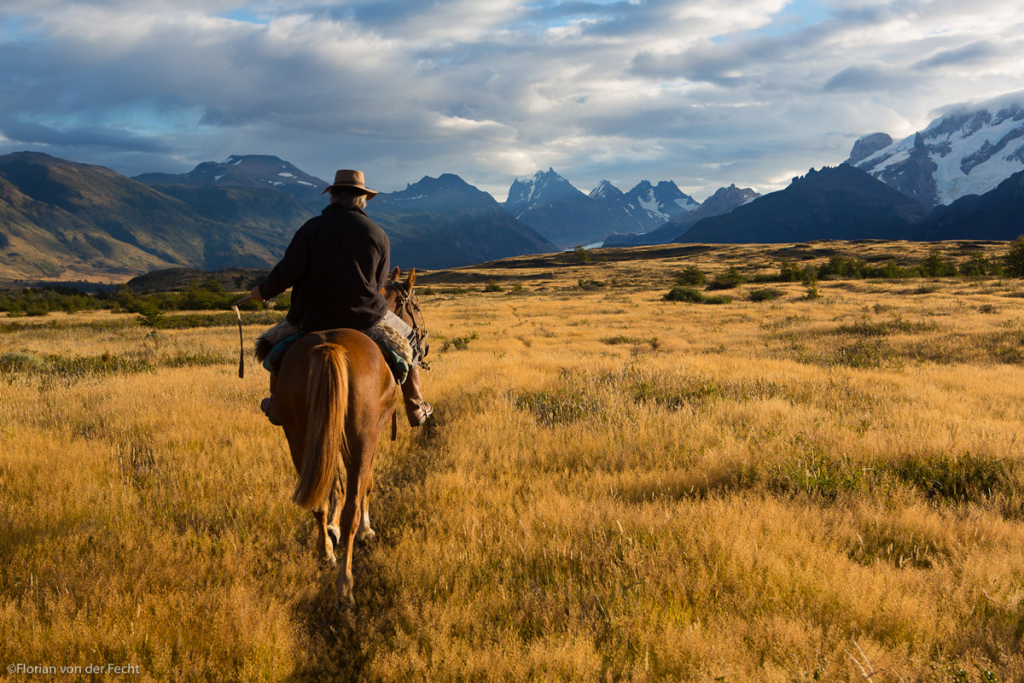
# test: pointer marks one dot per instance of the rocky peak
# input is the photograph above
(605, 189)
(868, 145)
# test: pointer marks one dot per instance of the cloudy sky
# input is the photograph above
(702, 92)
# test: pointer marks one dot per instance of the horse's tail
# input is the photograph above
(327, 405)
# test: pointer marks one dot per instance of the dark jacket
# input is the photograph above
(336, 265)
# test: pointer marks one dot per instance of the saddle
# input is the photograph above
(274, 343)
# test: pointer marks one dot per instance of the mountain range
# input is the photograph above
(724, 200)
(61, 219)
(435, 223)
(962, 177)
(551, 205)
(847, 203)
(254, 171)
(445, 222)
(842, 203)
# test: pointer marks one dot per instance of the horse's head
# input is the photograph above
(403, 303)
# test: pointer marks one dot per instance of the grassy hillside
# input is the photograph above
(63, 220)
(614, 487)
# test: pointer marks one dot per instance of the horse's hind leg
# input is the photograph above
(333, 518)
(325, 543)
(349, 526)
(366, 533)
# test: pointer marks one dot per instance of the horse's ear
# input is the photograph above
(410, 281)
(394, 274)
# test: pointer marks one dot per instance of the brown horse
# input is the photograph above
(334, 394)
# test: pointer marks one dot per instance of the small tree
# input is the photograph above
(936, 266)
(976, 265)
(1015, 258)
(727, 279)
(691, 276)
(580, 255)
(790, 272)
(810, 281)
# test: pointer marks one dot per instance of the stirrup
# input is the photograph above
(267, 406)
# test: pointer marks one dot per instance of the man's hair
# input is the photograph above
(348, 197)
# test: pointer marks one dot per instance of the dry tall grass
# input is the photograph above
(614, 488)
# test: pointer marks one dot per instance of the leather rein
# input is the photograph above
(407, 305)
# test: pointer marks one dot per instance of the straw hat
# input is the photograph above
(349, 178)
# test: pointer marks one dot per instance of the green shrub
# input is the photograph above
(728, 279)
(936, 266)
(458, 343)
(810, 282)
(891, 271)
(766, 294)
(790, 272)
(692, 276)
(840, 266)
(579, 255)
(590, 285)
(1014, 258)
(687, 294)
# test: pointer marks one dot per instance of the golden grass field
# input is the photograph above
(614, 488)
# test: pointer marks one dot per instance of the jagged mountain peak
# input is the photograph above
(868, 145)
(970, 149)
(664, 199)
(605, 189)
(544, 185)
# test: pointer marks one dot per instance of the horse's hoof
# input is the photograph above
(367, 536)
(345, 600)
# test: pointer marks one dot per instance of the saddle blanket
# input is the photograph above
(390, 334)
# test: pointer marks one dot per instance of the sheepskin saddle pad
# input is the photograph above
(274, 343)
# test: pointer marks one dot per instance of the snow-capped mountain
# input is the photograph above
(551, 205)
(544, 186)
(622, 209)
(968, 150)
(643, 208)
(605, 191)
(664, 199)
(249, 170)
(724, 200)
(434, 223)
(444, 222)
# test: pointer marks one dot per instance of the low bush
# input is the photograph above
(687, 294)
(766, 294)
(691, 276)
(727, 279)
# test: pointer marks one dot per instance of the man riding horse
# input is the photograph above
(337, 266)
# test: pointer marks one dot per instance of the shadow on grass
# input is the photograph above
(342, 641)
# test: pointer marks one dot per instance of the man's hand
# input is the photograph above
(255, 291)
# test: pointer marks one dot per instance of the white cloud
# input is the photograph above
(494, 89)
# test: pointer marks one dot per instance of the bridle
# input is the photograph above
(408, 309)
